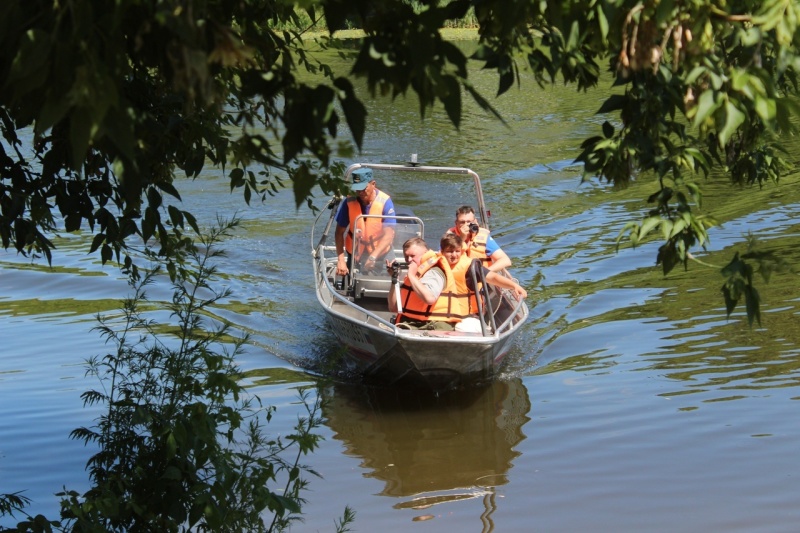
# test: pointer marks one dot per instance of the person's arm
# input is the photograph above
(341, 262)
(500, 260)
(499, 280)
(429, 286)
(384, 243)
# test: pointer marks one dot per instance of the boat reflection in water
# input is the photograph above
(431, 449)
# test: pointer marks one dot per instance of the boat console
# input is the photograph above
(377, 283)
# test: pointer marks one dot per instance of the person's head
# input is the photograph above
(413, 249)
(363, 184)
(450, 245)
(465, 216)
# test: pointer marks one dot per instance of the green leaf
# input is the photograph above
(695, 73)
(739, 79)
(149, 223)
(730, 300)
(602, 21)
(452, 102)
(629, 227)
(482, 102)
(677, 227)
(608, 129)
(53, 110)
(706, 105)
(615, 102)
(666, 228)
(236, 176)
(175, 216)
(169, 188)
(80, 131)
(72, 222)
(355, 113)
(304, 181)
(190, 218)
(667, 257)
(696, 192)
(733, 119)
(96, 242)
(32, 56)
(154, 198)
(752, 305)
(120, 129)
(106, 253)
(766, 108)
(664, 10)
(648, 225)
(574, 36)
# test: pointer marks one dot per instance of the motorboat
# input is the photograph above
(356, 305)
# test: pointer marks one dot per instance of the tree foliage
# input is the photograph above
(103, 103)
(179, 444)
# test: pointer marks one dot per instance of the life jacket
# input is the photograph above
(446, 309)
(466, 297)
(476, 247)
(370, 229)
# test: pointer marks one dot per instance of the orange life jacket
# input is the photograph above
(476, 247)
(369, 229)
(446, 309)
(466, 297)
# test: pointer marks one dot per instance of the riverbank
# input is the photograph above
(449, 34)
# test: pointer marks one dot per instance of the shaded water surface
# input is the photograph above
(629, 403)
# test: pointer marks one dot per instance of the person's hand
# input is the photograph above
(520, 292)
(369, 265)
(341, 266)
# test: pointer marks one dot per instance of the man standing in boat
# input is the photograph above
(367, 239)
(427, 294)
(478, 243)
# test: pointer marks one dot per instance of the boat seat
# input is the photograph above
(371, 285)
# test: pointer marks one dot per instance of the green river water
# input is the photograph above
(630, 402)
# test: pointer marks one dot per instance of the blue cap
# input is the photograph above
(361, 178)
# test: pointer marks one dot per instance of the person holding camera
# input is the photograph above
(370, 237)
(427, 294)
(478, 242)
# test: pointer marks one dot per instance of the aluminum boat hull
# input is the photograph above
(381, 352)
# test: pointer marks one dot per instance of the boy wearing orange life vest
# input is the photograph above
(451, 248)
(372, 236)
(477, 242)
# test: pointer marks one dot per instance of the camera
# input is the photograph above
(397, 266)
(473, 227)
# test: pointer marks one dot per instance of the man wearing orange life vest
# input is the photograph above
(478, 243)
(451, 247)
(427, 292)
(371, 237)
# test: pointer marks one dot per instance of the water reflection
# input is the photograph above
(430, 449)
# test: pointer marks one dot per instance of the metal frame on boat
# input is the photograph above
(357, 308)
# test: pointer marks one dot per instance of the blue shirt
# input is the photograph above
(343, 215)
(491, 246)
